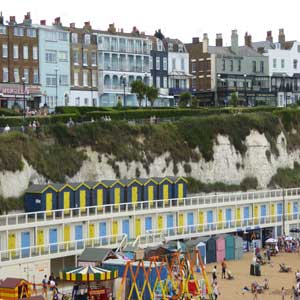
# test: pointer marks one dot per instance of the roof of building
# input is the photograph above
(242, 51)
(11, 283)
(96, 254)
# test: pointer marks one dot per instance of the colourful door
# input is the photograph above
(263, 213)
(66, 203)
(151, 195)
(228, 217)
(99, 199)
(12, 244)
(255, 214)
(134, 195)
(246, 215)
(160, 225)
(53, 240)
(137, 227)
(40, 240)
(67, 236)
(166, 193)
(125, 228)
(201, 220)
(220, 218)
(180, 192)
(49, 204)
(289, 210)
(117, 197)
(170, 224)
(279, 212)
(115, 231)
(148, 224)
(25, 244)
(190, 222)
(91, 233)
(180, 223)
(102, 233)
(82, 200)
(272, 210)
(295, 210)
(79, 236)
(238, 216)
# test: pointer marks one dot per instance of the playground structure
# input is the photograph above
(179, 281)
(14, 289)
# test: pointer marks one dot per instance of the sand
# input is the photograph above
(232, 289)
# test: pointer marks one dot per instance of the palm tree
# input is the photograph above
(138, 87)
(151, 94)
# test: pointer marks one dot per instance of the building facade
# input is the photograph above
(19, 61)
(54, 59)
(122, 58)
(84, 66)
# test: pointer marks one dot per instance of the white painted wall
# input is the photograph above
(178, 56)
(81, 95)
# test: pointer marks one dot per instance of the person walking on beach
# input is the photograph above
(45, 284)
(282, 293)
(255, 294)
(216, 291)
(214, 273)
(224, 267)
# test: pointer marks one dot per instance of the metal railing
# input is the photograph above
(145, 207)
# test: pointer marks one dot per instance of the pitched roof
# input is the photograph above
(95, 254)
(11, 282)
(242, 51)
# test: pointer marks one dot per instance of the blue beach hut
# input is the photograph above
(150, 191)
(134, 191)
(82, 194)
(99, 193)
(116, 191)
(66, 197)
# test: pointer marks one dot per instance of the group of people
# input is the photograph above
(288, 245)
(51, 285)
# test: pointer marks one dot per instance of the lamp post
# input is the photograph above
(123, 78)
(146, 81)
(56, 86)
(24, 103)
(245, 89)
(216, 89)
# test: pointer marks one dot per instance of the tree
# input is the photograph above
(185, 99)
(195, 102)
(234, 99)
(151, 94)
(138, 87)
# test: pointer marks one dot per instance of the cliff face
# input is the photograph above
(228, 165)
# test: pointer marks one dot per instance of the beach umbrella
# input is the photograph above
(288, 238)
(88, 274)
(271, 241)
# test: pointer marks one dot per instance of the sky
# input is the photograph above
(182, 19)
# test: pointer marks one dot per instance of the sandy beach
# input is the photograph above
(232, 289)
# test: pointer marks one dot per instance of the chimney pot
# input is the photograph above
(219, 40)
(205, 43)
(248, 40)
(269, 36)
(72, 25)
(12, 19)
(196, 40)
(43, 22)
(234, 41)
(281, 38)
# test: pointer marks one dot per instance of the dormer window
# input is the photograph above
(74, 38)
(180, 48)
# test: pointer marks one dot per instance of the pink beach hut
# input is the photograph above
(220, 247)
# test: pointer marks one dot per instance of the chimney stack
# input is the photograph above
(57, 21)
(1, 19)
(248, 40)
(111, 28)
(12, 20)
(43, 22)
(234, 41)
(87, 25)
(219, 40)
(269, 36)
(281, 38)
(196, 40)
(27, 19)
(72, 25)
(205, 43)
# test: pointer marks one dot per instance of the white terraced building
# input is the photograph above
(34, 244)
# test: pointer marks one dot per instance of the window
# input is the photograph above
(25, 52)
(262, 67)
(16, 52)
(223, 64)
(2, 29)
(85, 78)
(74, 38)
(5, 74)
(31, 32)
(94, 79)
(297, 47)
(63, 80)
(93, 58)
(274, 63)
(16, 75)
(194, 65)
(157, 63)
(122, 45)
(254, 66)
(173, 64)
(50, 80)
(51, 56)
(170, 47)
(239, 66)
(85, 58)
(51, 36)
(18, 31)
(87, 39)
(295, 63)
(282, 63)
(4, 51)
(35, 52)
(180, 48)
(26, 75)
(231, 65)
(63, 56)
(182, 64)
(76, 79)
(36, 76)
(159, 45)
(75, 57)
(158, 82)
(86, 101)
(165, 82)
(165, 61)
(194, 83)
(63, 36)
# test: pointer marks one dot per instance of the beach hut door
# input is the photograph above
(102, 231)
(148, 224)
(82, 201)
(79, 236)
(279, 212)
(125, 227)
(53, 240)
(170, 224)
(228, 217)
(25, 244)
(49, 203)
(190, 221)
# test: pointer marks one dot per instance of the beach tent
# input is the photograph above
(229, 247)
(238, 247)
(220, 247)
(197, 244)
(210, 243)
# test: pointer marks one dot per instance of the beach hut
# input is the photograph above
(220, 247)
(82, 195)
(116, 192)
(197, 244)
(41, 198)
(14, 289)
(238, 247)
(229, 247)
(165, 190)
(66, 197)
(99, 194)
(179, 187)
(150, 193)
(210, 243)
(134, 191)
